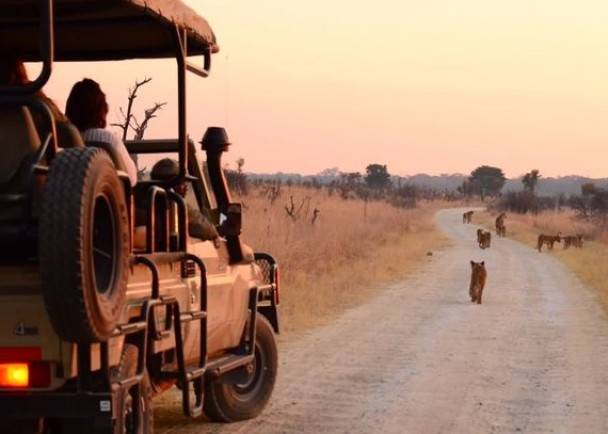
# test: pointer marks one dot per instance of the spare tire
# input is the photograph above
(84, 245)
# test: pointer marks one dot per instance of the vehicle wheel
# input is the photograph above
(234, 402)
(84, 245)
(126, 369)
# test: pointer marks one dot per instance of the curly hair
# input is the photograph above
(87, 106)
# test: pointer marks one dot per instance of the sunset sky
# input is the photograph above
(435, 86)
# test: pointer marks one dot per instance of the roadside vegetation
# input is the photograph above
(334, 252)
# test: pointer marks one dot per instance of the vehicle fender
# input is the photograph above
(271, 313)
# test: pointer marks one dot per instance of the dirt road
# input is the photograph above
(420, 358)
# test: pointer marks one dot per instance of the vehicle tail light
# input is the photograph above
(277, 284)
(21, 375)
(21, 367)
(14, 375)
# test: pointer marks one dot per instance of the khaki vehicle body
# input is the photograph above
(107, 298)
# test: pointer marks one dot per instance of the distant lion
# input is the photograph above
(467, 216)
(501, 228)
(478, 281)
(573, 240)
(484, 239)
(548, 240)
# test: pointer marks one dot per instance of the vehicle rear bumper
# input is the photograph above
(95, 407)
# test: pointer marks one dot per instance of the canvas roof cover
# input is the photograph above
(104, 29)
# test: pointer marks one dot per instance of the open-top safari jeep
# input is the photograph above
(100, 311)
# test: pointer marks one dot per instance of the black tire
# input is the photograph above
(84, 245)
(126, 369)
(234, 402)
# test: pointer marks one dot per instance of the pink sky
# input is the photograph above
(434, 86)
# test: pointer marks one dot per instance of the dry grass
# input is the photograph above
(588, 263)
(345, 257)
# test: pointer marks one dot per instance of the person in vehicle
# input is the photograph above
(198, 225)
(87, 108)
(14, 73)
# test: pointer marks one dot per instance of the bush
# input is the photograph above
(523, 202)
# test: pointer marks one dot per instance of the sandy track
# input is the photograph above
(420, 358)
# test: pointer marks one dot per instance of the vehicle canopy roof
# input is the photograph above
(104, 29)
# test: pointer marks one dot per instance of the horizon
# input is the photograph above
(422, 88)
(362, 172)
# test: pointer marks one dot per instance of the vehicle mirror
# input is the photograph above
(230, 220)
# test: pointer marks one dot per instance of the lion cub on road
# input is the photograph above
(478, 281)
(484, 239)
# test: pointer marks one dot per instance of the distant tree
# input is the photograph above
(588, 189)
(592, 203)
(348, 183)
(332, 172)
(377, 176)
(530, 180)
(350, 178)
(466, 188)
(487, 181)
(237, 179)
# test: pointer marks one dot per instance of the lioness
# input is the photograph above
(467, 216)
(573, 240)
(484, 238)
(549, 240)
(501, 229)
(478, 281)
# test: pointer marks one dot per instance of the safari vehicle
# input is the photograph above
(100, 312)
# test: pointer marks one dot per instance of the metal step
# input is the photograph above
(192, 316)
(130, 328)
(227, 363)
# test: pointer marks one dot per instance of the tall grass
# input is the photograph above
(351, 250)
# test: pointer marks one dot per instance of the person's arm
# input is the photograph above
(199, 227)
(126, 158)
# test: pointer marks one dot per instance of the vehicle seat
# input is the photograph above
(19, 141)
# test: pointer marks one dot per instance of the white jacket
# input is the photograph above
(105, 136)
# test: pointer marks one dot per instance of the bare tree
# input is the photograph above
(294, 210)
(140, 129)
(272, 192)
(128, 116)
(129, 121)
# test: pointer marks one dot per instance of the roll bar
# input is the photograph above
(47, 53)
